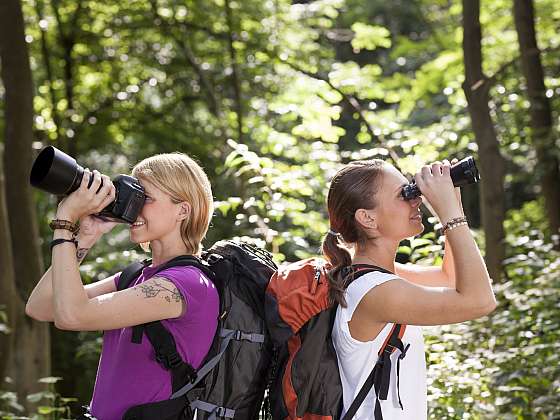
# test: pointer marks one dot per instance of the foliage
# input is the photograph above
(272, 98)
(505, 365)
(50, 404)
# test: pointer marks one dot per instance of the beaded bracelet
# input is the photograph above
(64, 224)
(453, 223)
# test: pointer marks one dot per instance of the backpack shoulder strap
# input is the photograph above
(167, 356)
(131, 273)
(188, 261)
(380, 375)
(161, 339)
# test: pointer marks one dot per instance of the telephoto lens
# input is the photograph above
(463, 172)
(57, 173)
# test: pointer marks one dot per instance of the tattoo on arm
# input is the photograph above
(156, 288)
(81, 254)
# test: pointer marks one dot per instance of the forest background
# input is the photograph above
(272, 96)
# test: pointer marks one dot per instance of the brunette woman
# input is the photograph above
(368, 219)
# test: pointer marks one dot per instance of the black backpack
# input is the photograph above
(232, 379)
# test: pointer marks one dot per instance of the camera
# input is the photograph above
(57, 173)
(463, 172)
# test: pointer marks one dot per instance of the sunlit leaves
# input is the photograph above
(508, 364)
(320, 83)
(370, 37)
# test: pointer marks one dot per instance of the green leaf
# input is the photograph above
(370, 37)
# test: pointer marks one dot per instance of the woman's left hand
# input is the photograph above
(457, 193)
(85, 201)
(457, 189)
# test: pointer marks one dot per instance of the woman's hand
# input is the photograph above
(457, 194)
(91, 229)
(436, 186)
(85, 201)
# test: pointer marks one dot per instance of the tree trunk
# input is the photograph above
(541, 115)
(29, 358)
(491, 164)
(7, 287)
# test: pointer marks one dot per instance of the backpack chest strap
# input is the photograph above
(241, 335)
(215, 411)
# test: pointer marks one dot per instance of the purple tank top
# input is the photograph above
(128, 373)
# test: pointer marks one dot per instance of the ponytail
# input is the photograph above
(339, 258)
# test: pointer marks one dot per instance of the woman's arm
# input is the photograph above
(73, 309)
(40, 303)
(432, 276)
(403, 302)
(153, 300)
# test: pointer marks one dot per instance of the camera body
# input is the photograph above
(57, 173)
(129, 200)
(463, 172)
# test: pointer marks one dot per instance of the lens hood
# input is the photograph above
(55, 172)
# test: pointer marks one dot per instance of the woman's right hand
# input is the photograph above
(89, 198)
(437, 188)
(92, 228)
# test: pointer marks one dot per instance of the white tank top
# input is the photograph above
(356, 359)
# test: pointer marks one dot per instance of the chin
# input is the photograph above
(135, 238)
(418, 230)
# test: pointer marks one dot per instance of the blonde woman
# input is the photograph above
(173, 222)
(369, 216)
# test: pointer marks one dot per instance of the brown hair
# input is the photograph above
(352, 188)
(183, 180)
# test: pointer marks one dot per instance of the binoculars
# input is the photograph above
(57, 173)
(463, 172)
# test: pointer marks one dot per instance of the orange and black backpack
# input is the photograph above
(306, 384)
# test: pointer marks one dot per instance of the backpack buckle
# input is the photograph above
(389, 350)
(403, 353)
(170, 361)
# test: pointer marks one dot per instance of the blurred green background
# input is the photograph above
(272, 97)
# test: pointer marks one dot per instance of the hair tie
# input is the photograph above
(332, 232)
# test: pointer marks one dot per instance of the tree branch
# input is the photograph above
(235, 77)
(353, 102)
(497, 75)
(192, 60)
(48, 68)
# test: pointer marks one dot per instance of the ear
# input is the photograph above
(184, 211)
(366, 219)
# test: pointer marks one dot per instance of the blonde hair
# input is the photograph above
(182, 179)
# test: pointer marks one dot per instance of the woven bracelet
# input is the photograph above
(64, 224)
(453, 223)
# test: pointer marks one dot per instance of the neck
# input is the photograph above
(380, 253)
(162, 253)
